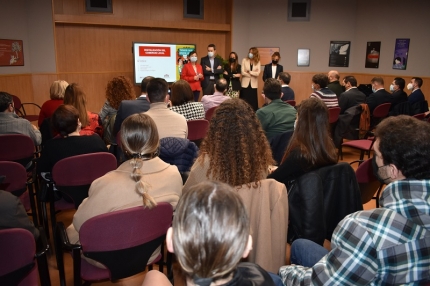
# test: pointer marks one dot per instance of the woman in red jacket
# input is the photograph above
(193, 73)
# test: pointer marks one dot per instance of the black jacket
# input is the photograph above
(350, 98)
(377, 98)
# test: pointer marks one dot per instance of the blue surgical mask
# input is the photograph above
(392, 88)
(193, 59)
(210, 54)
(373, 90)
(250, 55)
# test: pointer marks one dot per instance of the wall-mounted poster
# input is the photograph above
(401, 52)
(339, 53)
(303, 57)
(372, 55)
(11, 53)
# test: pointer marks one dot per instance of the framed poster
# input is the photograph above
(303, 57)
(11, 53)
(266, 55)
(339, 53)
(373, 50)
(401, 51)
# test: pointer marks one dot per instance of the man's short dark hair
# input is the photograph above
(320, 79)
(418, 80)
(221, 85)
(5, 100)
(157, 90)
(144, 83)
(212, 46)
(351, 80)
(285, 77)
(404, 141)
(400, 82)
(272, 89)
(377, 79)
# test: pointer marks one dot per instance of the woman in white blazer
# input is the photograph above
(250, 72)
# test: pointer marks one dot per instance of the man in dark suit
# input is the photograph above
(379, 95)
(273, 69)
(287, 92)
(398, 95)
(352, 96)
(334, 85)
(130, 107)
(416, 94)
(212, 69)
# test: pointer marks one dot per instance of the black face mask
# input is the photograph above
(232, 60)
(275, 62)
(376, 171)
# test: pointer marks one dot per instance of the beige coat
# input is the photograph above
(252, 76)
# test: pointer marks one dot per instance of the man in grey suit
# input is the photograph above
(352, 96)
(130, 107)
(212, 69)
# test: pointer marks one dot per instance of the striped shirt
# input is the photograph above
(326, 95)
(190, 110)
(385, 246)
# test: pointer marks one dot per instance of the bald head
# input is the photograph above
(333, 75)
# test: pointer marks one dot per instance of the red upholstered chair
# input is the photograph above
(291, 102)
(20, 110)
(197, 130)
(123, 241)
(333, 113)
(210, 112)
(420, 116)
(17, 260)
(368, 183)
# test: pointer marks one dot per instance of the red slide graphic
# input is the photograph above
(154, 51)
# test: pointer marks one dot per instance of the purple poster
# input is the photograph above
(401, 52)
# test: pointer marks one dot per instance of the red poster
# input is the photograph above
(11, 53)
(154, 51)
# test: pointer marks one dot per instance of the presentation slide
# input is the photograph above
(160, 60)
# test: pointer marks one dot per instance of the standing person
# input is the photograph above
(273, 69)
(193, 73)
(56, 93)
(212, 69)
(232, 73)
(250, 72)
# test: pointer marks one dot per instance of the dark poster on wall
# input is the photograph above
(401, 52)
(372, 55)
(339, 53)
(11, 53)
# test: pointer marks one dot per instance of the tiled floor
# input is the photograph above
(67, 216)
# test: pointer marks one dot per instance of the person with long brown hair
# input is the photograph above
(182, 100)
(232, 73)
(250, 70)
(310, 146)
(235, 150)
(74, 95)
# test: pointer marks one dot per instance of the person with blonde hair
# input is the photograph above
(210, 234)
(56, 93)
(74, 95)
(250, 70)
(143, 180)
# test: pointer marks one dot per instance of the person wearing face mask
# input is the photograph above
(250, 70)
(416, 94)
(212, 69)
(232, 75)
(192, 72)
(379, 95)
(321, 91)
(352, 96)
(397, 95)
(272, 70)
(386, 245)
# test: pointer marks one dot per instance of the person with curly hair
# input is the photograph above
(235, 150)
(118, 89)
(182, 99)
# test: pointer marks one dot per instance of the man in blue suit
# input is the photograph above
(416, 94)
(212, 69)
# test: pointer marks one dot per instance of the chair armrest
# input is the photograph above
(62, 236)
(357, 161)
(43, 245)
(32, 103)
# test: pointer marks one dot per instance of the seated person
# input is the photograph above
(384, 246)
(416, 94)
(56, 93)
(398, 95)
(210, 234)
(310, 146)
(182, 99)
(230, 153)
(352, 96)
(65, 121)
(218, 97)
(143, 180)
(277, 117)
(321, 91)
(379, 95)
(287, 92)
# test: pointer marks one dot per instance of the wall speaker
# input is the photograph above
(98, 6)
(299, 10)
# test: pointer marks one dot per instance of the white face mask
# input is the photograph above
(392, 87)
(295, 123)
(410, 86)
(193, 59)
(250, 55)
(313, 88)
(210, 54)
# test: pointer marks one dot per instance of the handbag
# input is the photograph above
(232, 93)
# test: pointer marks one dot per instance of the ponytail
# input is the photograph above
(142, 187)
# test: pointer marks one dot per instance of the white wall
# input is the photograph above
(264, 24)
(31, 22)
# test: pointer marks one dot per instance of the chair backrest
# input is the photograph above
(291, 102)
(210, 112)
(17, 249)
(197, 129)
(381, 110)
(16, 147)
(17, 105)
(333, 113)
(367, 181)
(74, 175)
(16, 177)
(419, 116)
(124, 240)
